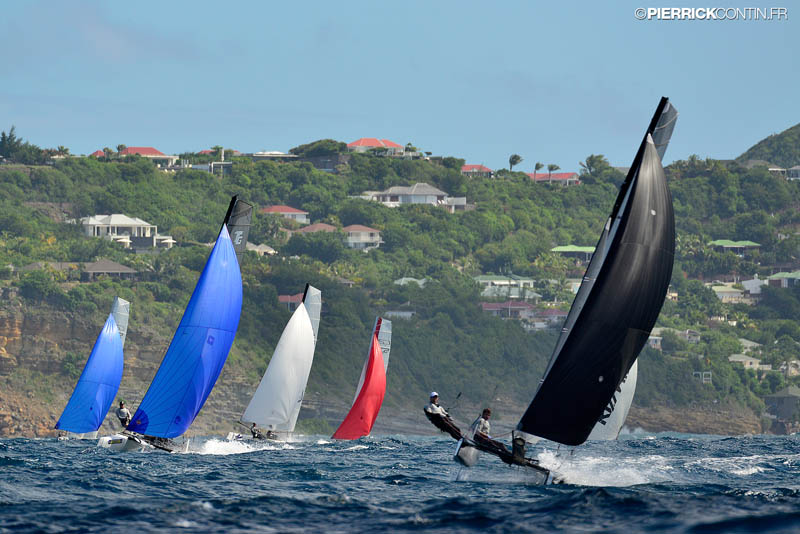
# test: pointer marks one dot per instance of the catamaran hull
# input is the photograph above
(233, 436)
(122, 443)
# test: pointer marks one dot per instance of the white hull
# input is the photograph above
(122, 443)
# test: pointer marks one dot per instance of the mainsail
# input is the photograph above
(618, 302)
(276, 403)
(616, 411)
(198, 350)
(371, 386)
(99, 381)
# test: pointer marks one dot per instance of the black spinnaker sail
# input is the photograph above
(618, 302)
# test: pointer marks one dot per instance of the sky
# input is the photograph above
(477, 80)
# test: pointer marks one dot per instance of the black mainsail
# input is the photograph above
(618, 302)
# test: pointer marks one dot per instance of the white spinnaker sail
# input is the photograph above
(121, 310)
(276, 403)
(385, 342)
(617, 410)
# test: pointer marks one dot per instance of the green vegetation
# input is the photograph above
(449, 345)
(780, 149)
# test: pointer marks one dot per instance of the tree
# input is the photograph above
(323, 147)
(9, 143)
(107, 152)
(120, 149)
(217, 151)
(514, 159)
(537, 167)
(550, 168)
(62, 150)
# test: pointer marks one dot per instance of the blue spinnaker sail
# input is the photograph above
(198, 349)
(97, 385)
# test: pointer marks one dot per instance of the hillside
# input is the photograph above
(780, 149)
(448, 344)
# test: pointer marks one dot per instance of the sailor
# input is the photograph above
(123, 415)
(481, 429)
(256, 432)
(440, 418)
(434, 408)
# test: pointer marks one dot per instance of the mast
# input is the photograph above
(618, 302)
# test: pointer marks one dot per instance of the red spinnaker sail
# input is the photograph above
(365, 409)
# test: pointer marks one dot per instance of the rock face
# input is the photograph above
(34, 387)
(693, 420)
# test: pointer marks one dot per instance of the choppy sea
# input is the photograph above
(641, 483)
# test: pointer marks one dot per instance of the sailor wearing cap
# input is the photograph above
(434, 408)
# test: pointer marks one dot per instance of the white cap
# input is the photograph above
(434, 394)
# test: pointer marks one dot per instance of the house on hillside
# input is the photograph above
(409, 280)
(581, 253)
(560, 178)
(477, 171)
(154, 155)
(737, 247)
(365, 144)
(752, 288)
(316, 227)
(510, 293)
(419, 193)
(654, 342)
(504, 280)
(748, 362)
(728, 294)
(131, 232)
(784, 280)
(261, 250)
(287, 212)
(509, 309)
(111, 269)
(362, 237)
(291, 301)
(793, 173)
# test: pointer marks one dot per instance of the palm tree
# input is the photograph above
(550, 168)
(120, 148)
(536, 169)
(62, 150)
(217, 151)
(514, 159)
(107, 152)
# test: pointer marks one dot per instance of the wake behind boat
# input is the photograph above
(613, 313)
(198, 350)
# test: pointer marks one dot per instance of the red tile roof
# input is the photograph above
(373, 142)
(539, 176)
(98, 154)
(290, 299)
(475, 168)
(282, 209)
(316, 227)
(142, 151)
(359, 228)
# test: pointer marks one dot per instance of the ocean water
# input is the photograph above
(643, 483)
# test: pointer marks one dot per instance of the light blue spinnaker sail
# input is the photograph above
(97, 385)
(198, 349)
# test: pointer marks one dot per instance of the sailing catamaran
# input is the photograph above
(371, 386)
(276, 403)
(199, 348)
(99, 382)
(614, 311)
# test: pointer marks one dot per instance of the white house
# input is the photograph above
(131, 232)
(748, 362)
(419, 193)
(362, 237)
(288, 212)
(793, 173)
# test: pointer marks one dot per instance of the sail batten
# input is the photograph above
(198, 350)
(618, 302)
